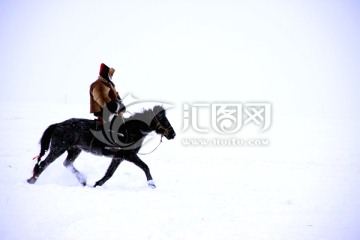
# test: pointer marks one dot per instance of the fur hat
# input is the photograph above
(111, 71)
(105, 70)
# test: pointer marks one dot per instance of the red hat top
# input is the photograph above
(104, 71)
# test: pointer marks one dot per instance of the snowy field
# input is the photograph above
(301, 56)
(304, 185)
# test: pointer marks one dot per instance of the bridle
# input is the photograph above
(158, 127)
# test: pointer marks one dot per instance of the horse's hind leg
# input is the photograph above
(73, 153)
(41, 166)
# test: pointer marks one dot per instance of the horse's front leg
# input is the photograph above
(115, 162)
(138, 162)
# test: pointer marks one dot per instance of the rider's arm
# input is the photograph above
(101, 96)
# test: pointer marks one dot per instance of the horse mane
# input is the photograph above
(147, 113)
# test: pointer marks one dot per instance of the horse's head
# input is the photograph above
(161, 124)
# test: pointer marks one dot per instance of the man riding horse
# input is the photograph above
(103, 94)
(75, 135)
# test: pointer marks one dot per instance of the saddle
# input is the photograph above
(101, 125)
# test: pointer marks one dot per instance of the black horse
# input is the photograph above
(120, 139)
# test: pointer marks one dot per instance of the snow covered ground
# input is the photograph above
(304, 185)
(301, 56)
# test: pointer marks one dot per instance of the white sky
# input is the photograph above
(302, 56)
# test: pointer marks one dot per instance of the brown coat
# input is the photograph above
(101, 93)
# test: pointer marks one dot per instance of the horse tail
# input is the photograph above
(46, 138)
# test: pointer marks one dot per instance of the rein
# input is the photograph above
(166, 131)
(154, 148)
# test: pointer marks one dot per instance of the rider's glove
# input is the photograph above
(121, 107)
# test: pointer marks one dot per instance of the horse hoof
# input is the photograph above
(151, 184)
(97, 184)
(31, 180)
(82, 179)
